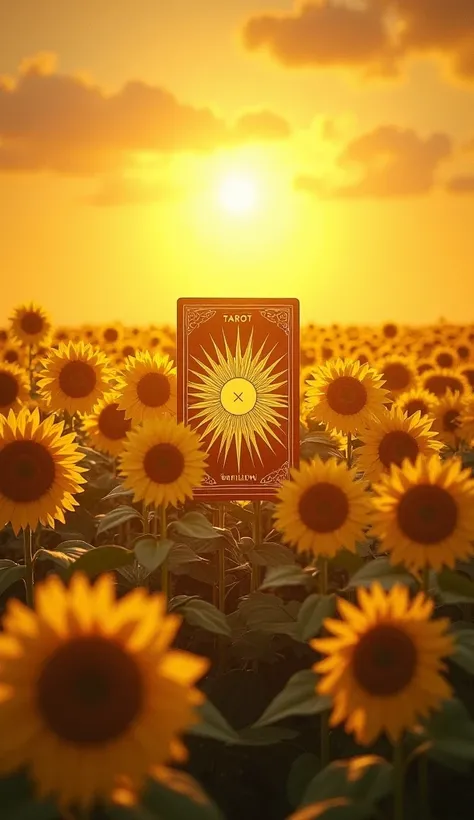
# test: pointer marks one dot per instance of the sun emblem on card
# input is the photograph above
(235, 399)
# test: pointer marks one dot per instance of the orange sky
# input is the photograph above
(120, 118)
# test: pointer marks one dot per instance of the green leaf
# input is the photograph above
(268, 613)
(265, 735)
(213, 724)
(65, 546)
(312, 614)
(195, 525)
(180, 556)
(203, 614)
(284, 576)
(18, 801)
(381, 570)
(246, 516)
(103, 559)
(336, 808)
(63, 559)
(464, 652)
(270, 554)
(120, 515)
(299, 697)
(10, 573)
(301, 773)
(455, 588)
(450, 731)
(150, 551)
(174, 794)
(365, 779)
(119, 492)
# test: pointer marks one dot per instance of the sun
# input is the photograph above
(238, 193)
(236, 399)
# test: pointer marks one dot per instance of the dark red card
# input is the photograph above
(238, 387)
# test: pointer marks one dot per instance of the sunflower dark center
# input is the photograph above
(11, 356)
(90, 691)
(424, 367)
(346, 395)
(469, 374)
(445, 359)
(154, 389)
(3, 335)
(464, 352)
(112, 422)
(397, 376)
(451, 421)
(323, 507)
(111, 334)
(390, 331)
(8, 389)
(164, 463)
(27, 471)
(32, 323)
(128, 350)
(384, 661)
(415, 406)
(396, 446)
(427, 514)
(77, 379)
(439, 385)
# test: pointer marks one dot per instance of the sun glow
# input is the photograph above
(238, 193)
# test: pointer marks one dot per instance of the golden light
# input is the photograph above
(238, 193)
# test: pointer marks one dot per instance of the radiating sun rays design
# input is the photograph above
(237, 400)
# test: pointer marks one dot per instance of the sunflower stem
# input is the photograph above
(221, 558)
(323, 590)
(145, 517)
(164, 566)
(257, 538)
(399, 777)
(30, 370)
(423, 787)
(28, 557)
(349, 450)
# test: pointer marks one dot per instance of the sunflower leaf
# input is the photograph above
(297, 698)
(10, 573)
(464, 652)
(312, 614)
(195, 525)
(213, 724)
(242, 514)
(118, 492)
(74, 543)
(171, 794)
(203, 614)
(63, 558)
(19, 802)
(454, 587)
(450, 732)
(268, 613)
(284, 576)
(381, 570)
(180, 556)
(336, 808)
(117, 516)
(270, 554)
(103, 559)
(366, 779)
(151, 551)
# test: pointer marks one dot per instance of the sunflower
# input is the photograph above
(30, 324)
(383, 662)
(398, 373)
(149, 387)
(445, 357)
(424, 513)
(448, 417)
(440, 380)
(390, 330)
(345, 395)
(10, 354)
(162, 462)
(13, 388)
(391, 439)
(107, 426)
(464, 351)
(110, 335)
(323, 508)
(417, 400)
(39, 472)
(468, 372)
(91, 692)
(74, 378)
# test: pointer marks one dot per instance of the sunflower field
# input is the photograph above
(163, 657)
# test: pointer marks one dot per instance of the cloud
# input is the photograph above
(375, 36)
(118, 191)
(462, 184)
(389, 161)
(66, 124)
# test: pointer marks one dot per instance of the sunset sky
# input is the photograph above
(152, 149)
